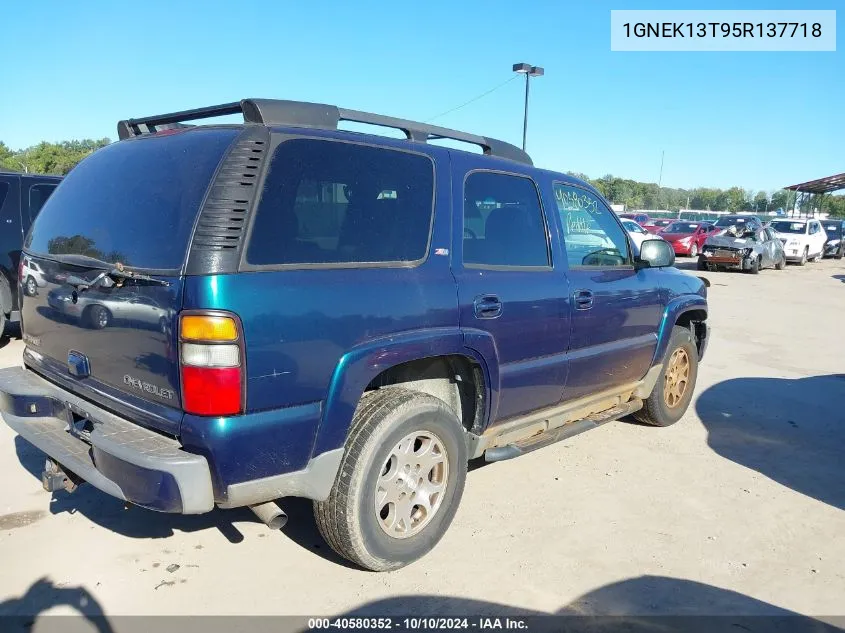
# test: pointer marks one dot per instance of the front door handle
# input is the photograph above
(487, 307)
(583, 299)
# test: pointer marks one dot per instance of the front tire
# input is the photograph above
(781, 263)
(399, 483)
(672, 394)
(804, 255)
(755, 266)
(702, 264)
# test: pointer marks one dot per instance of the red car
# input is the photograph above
(657, 225)
(687, 238)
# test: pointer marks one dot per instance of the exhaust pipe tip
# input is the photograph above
(270, 514)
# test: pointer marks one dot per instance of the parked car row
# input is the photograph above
(743, 242)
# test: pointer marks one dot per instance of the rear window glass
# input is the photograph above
(327, 202)
(132, 202)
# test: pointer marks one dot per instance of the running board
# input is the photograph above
(500, 453)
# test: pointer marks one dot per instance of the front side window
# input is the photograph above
(591, 233)
(503, 222)
(327, 202)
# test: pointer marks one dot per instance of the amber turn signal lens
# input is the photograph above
(195, 327)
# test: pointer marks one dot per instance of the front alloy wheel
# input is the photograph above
(676, 378)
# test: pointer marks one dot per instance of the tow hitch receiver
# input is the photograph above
(55, 478)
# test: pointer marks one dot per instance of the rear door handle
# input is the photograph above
(583, 299)
(487, 307)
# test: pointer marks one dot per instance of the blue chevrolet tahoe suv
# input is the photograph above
(242, 313)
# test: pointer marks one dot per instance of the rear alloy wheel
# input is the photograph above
(693, 251)
(399, 483)
(804, 256)
(672, 394)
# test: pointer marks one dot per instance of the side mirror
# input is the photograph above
(655, 254)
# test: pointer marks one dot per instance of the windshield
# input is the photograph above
(133, 202)
(782, 226)
(680, 227)
(833, 230)
(730, 221)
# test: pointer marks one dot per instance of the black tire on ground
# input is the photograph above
(702, 264)
(782, 263)
(656, 411)
(98, 317)
(755, 266)
(347, 520)
(803, 260)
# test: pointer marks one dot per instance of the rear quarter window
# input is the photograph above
(335, 203)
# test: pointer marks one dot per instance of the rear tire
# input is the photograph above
(702, 264)
(693, 251)
(668, 401)
(98, 317)
(782, 263)
(2, 323)
(804, 255)
(358, 520)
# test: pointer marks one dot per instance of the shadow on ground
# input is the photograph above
(648, 603)
(840, 278)
(791, 431)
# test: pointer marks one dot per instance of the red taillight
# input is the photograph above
(20, 269)
(211, 391)
(211, 362)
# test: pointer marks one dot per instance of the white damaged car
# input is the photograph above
(803, 238)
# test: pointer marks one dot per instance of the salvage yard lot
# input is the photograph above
(738, 508)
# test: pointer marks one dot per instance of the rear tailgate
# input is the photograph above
(130, 206)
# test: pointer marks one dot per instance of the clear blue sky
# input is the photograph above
(757, 120)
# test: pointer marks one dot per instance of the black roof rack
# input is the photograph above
(316, 115)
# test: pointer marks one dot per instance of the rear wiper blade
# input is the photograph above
(110, 277)
(121, 273)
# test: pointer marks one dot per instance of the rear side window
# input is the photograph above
(38, 195)
(329, 202)
(133, 202)
(503, 222)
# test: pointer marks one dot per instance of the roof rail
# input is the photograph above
(316, 115)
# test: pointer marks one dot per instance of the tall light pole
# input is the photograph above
(529, 71)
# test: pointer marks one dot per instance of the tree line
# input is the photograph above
(60, 158)
(647, 195)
